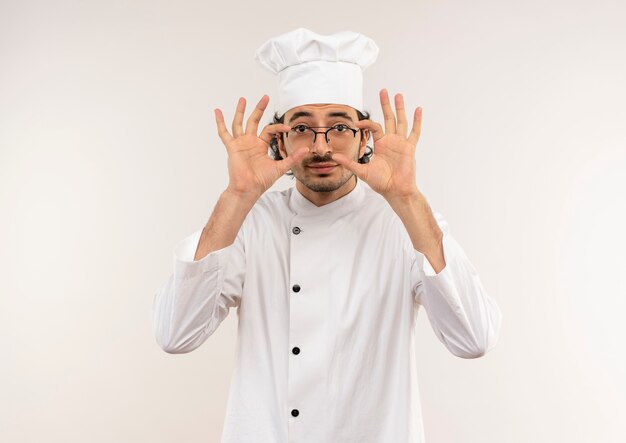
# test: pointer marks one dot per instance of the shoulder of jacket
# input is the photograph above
(374, 202)
(272, 200)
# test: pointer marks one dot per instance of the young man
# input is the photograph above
(328, 276)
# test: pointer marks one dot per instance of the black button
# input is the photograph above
(294, 412)
(296, 350)
(296, 288)
(296, 230)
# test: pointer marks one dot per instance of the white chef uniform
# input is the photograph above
(327, 300)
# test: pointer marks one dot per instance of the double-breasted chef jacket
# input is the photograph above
(327, 300)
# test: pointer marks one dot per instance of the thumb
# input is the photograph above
(286, 163)
(357, 168)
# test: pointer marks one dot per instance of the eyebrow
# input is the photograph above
(330, 114)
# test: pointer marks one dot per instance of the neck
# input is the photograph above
(323, 198)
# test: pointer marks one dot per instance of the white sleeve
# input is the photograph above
(463, 316)
(198, 295)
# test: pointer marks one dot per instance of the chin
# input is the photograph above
(323, 183)
(322, 187)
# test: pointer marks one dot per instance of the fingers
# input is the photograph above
(375, 128)
(390, 119)
(237, 125)
(253, 121)
(221, 127)
(417, 127)
(270, 130)
(402, 124)
(398, 127)
(285, 164)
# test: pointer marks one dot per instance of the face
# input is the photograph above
(317, 171)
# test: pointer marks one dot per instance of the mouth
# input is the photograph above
(322, 168)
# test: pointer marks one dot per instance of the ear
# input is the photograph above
(364, 138)
(281, 146)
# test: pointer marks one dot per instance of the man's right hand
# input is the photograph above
(250, 169)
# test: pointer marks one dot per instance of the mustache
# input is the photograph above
(327, 158)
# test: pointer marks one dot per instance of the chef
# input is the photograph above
(328, 276)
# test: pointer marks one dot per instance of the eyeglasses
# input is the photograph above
(337, 136)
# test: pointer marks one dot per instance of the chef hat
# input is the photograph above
(315, 68)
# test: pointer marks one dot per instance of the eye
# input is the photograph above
(300, 129)
(341, 128)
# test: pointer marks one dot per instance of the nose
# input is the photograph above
(320, 146)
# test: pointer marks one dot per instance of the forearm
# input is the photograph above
(464, 317)
(221, 230)
(190, 306)
(418, 220)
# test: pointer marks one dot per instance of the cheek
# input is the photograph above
(284, 147)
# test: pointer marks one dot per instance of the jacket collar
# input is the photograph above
(338, 208)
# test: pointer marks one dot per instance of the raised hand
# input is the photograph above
(251, 171)
(391, 170)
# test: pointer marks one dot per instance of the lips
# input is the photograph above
(322, 168)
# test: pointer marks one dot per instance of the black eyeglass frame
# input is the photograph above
(329, 128)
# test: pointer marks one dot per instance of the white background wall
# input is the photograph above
(109, 155)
